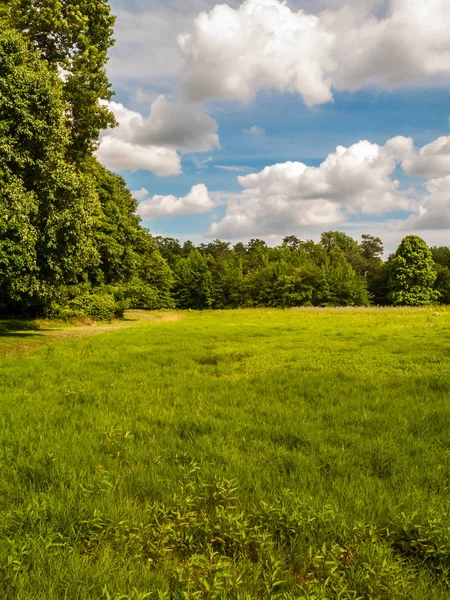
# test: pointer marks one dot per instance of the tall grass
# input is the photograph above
(245, 454)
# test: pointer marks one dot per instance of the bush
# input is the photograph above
(143, 295)
(100, 306)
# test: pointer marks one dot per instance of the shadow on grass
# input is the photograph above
(19, 328)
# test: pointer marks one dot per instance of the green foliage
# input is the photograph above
(441, 255)
(62, 224)
(129, 255)
(342, 286)
(100, 306)
(184, 459)
(412, 273)
(442, 283)
(73, 36)
(46, 203)
(193, 287)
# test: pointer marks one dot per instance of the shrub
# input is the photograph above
(100, 306)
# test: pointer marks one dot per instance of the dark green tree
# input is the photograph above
(47, 204)
(129, 255)
(412, 273)
(442, 284)
(341, 284)
(337, 241)
(193, 287)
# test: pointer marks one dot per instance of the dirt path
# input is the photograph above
(17, 339)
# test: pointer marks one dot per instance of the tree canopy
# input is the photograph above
(73, 37)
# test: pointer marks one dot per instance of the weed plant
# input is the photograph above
(258, 454)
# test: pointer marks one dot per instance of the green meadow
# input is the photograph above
(248, 454)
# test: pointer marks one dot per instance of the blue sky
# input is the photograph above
(271, 95)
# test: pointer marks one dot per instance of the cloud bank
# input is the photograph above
(234, 53)
(354, 181)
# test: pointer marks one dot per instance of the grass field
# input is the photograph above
(243, 455)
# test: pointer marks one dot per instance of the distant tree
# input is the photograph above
(170, 249)
(371, 250)
(300, 286)
(217, 249)
(441, 255)
(412, 273)
(342, 285)
(187, 248)
(193, 287)
(292, 242)
(337, 241)
(239, 248)
(378, 286)
(442, 284)
(257, 255)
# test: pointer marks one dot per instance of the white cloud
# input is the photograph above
(410, 44)
(434, 211)
(139, 143)
(255, 131)
(197, 201)
(180, 126)
(230, 168)
(120, 155)
(433, 160)
(288, 196)
(264, 44)
(146, 51)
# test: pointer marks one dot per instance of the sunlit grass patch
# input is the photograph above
(245, 454)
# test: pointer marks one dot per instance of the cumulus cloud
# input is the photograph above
(432, 160)
(119, 155)
(434, 211)
(264, 44)
(354, 180)
(409, 44)
(140, 143)
(197, 201)
(180, 126)
(234, 53)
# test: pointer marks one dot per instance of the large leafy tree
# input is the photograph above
(46, 203)
(412, 273)
(73, 37)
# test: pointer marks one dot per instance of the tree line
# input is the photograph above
(336, 271)
(71, 244)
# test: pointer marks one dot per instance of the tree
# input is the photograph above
(292, 242)
(371, 250)
(47, 205)
(170, 249)
(129, 255)
(73, 37)
(193, 286)
(337, 241)
(441, 255)
(412, 273)
(342, 285)
(442, 284)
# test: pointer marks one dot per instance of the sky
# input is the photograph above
(267, 118)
